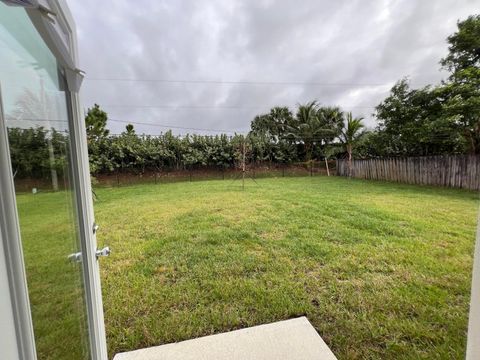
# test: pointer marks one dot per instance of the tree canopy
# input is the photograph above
(96, 123)
(440, 119)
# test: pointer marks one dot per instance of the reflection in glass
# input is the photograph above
(36, 115)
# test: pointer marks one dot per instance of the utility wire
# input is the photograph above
(176, 127)
(201, 107)
(39, 120)
(136, 123)
(239, 82)
(439, 136)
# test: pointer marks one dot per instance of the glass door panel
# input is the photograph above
(37, 121)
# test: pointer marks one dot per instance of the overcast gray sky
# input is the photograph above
(221, 62)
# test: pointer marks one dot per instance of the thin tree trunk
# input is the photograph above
(326, 164)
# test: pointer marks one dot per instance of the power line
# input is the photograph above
(39, 120)
(175, 107)
(439, 135)
(177, 127)
(201, 107)
(238, 82)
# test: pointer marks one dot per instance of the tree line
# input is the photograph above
(277, 138)
(433, 120)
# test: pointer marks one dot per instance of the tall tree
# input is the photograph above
(464, 47)
(332, 118)
(129, 129)
(96, 123)
(307, 127)
(462, 90)
(411, 122)
(350, 136)
(273, 124)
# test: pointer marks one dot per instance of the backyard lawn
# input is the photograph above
(381, 270)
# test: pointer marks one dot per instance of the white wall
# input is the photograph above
(473, 345)
(8, 342)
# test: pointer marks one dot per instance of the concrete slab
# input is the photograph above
(294, 339)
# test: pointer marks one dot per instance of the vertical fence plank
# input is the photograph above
(460, 171)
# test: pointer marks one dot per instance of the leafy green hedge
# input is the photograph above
(35, 151)
(130, 152)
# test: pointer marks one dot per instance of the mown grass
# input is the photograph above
(381, 270)
(55, 284)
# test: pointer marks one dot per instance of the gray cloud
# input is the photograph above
(336, 43)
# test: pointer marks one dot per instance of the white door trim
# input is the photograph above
(10, 235)
(11, 241)
(473, 340)
(9, 226)
(91, 274)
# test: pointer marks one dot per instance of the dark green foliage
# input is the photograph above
(443, 119)
(129, 129)
(276, 138)
(462, 90)
(134, 153)
(29, 151)
(95, 123)
(464, 46)
(412, 122)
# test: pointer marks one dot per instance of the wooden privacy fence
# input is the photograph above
(460, 171)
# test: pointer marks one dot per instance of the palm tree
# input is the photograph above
(351, 134)
(333, 119)
(307, 127)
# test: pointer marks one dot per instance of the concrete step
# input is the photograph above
(294, 339)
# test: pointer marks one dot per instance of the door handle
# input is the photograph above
(103, 252)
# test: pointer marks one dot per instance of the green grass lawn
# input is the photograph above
(381, 270)
(54, 283)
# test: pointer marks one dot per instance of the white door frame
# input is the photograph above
(473, 335)
(88, 241)
(13, 254)
(53, 33)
